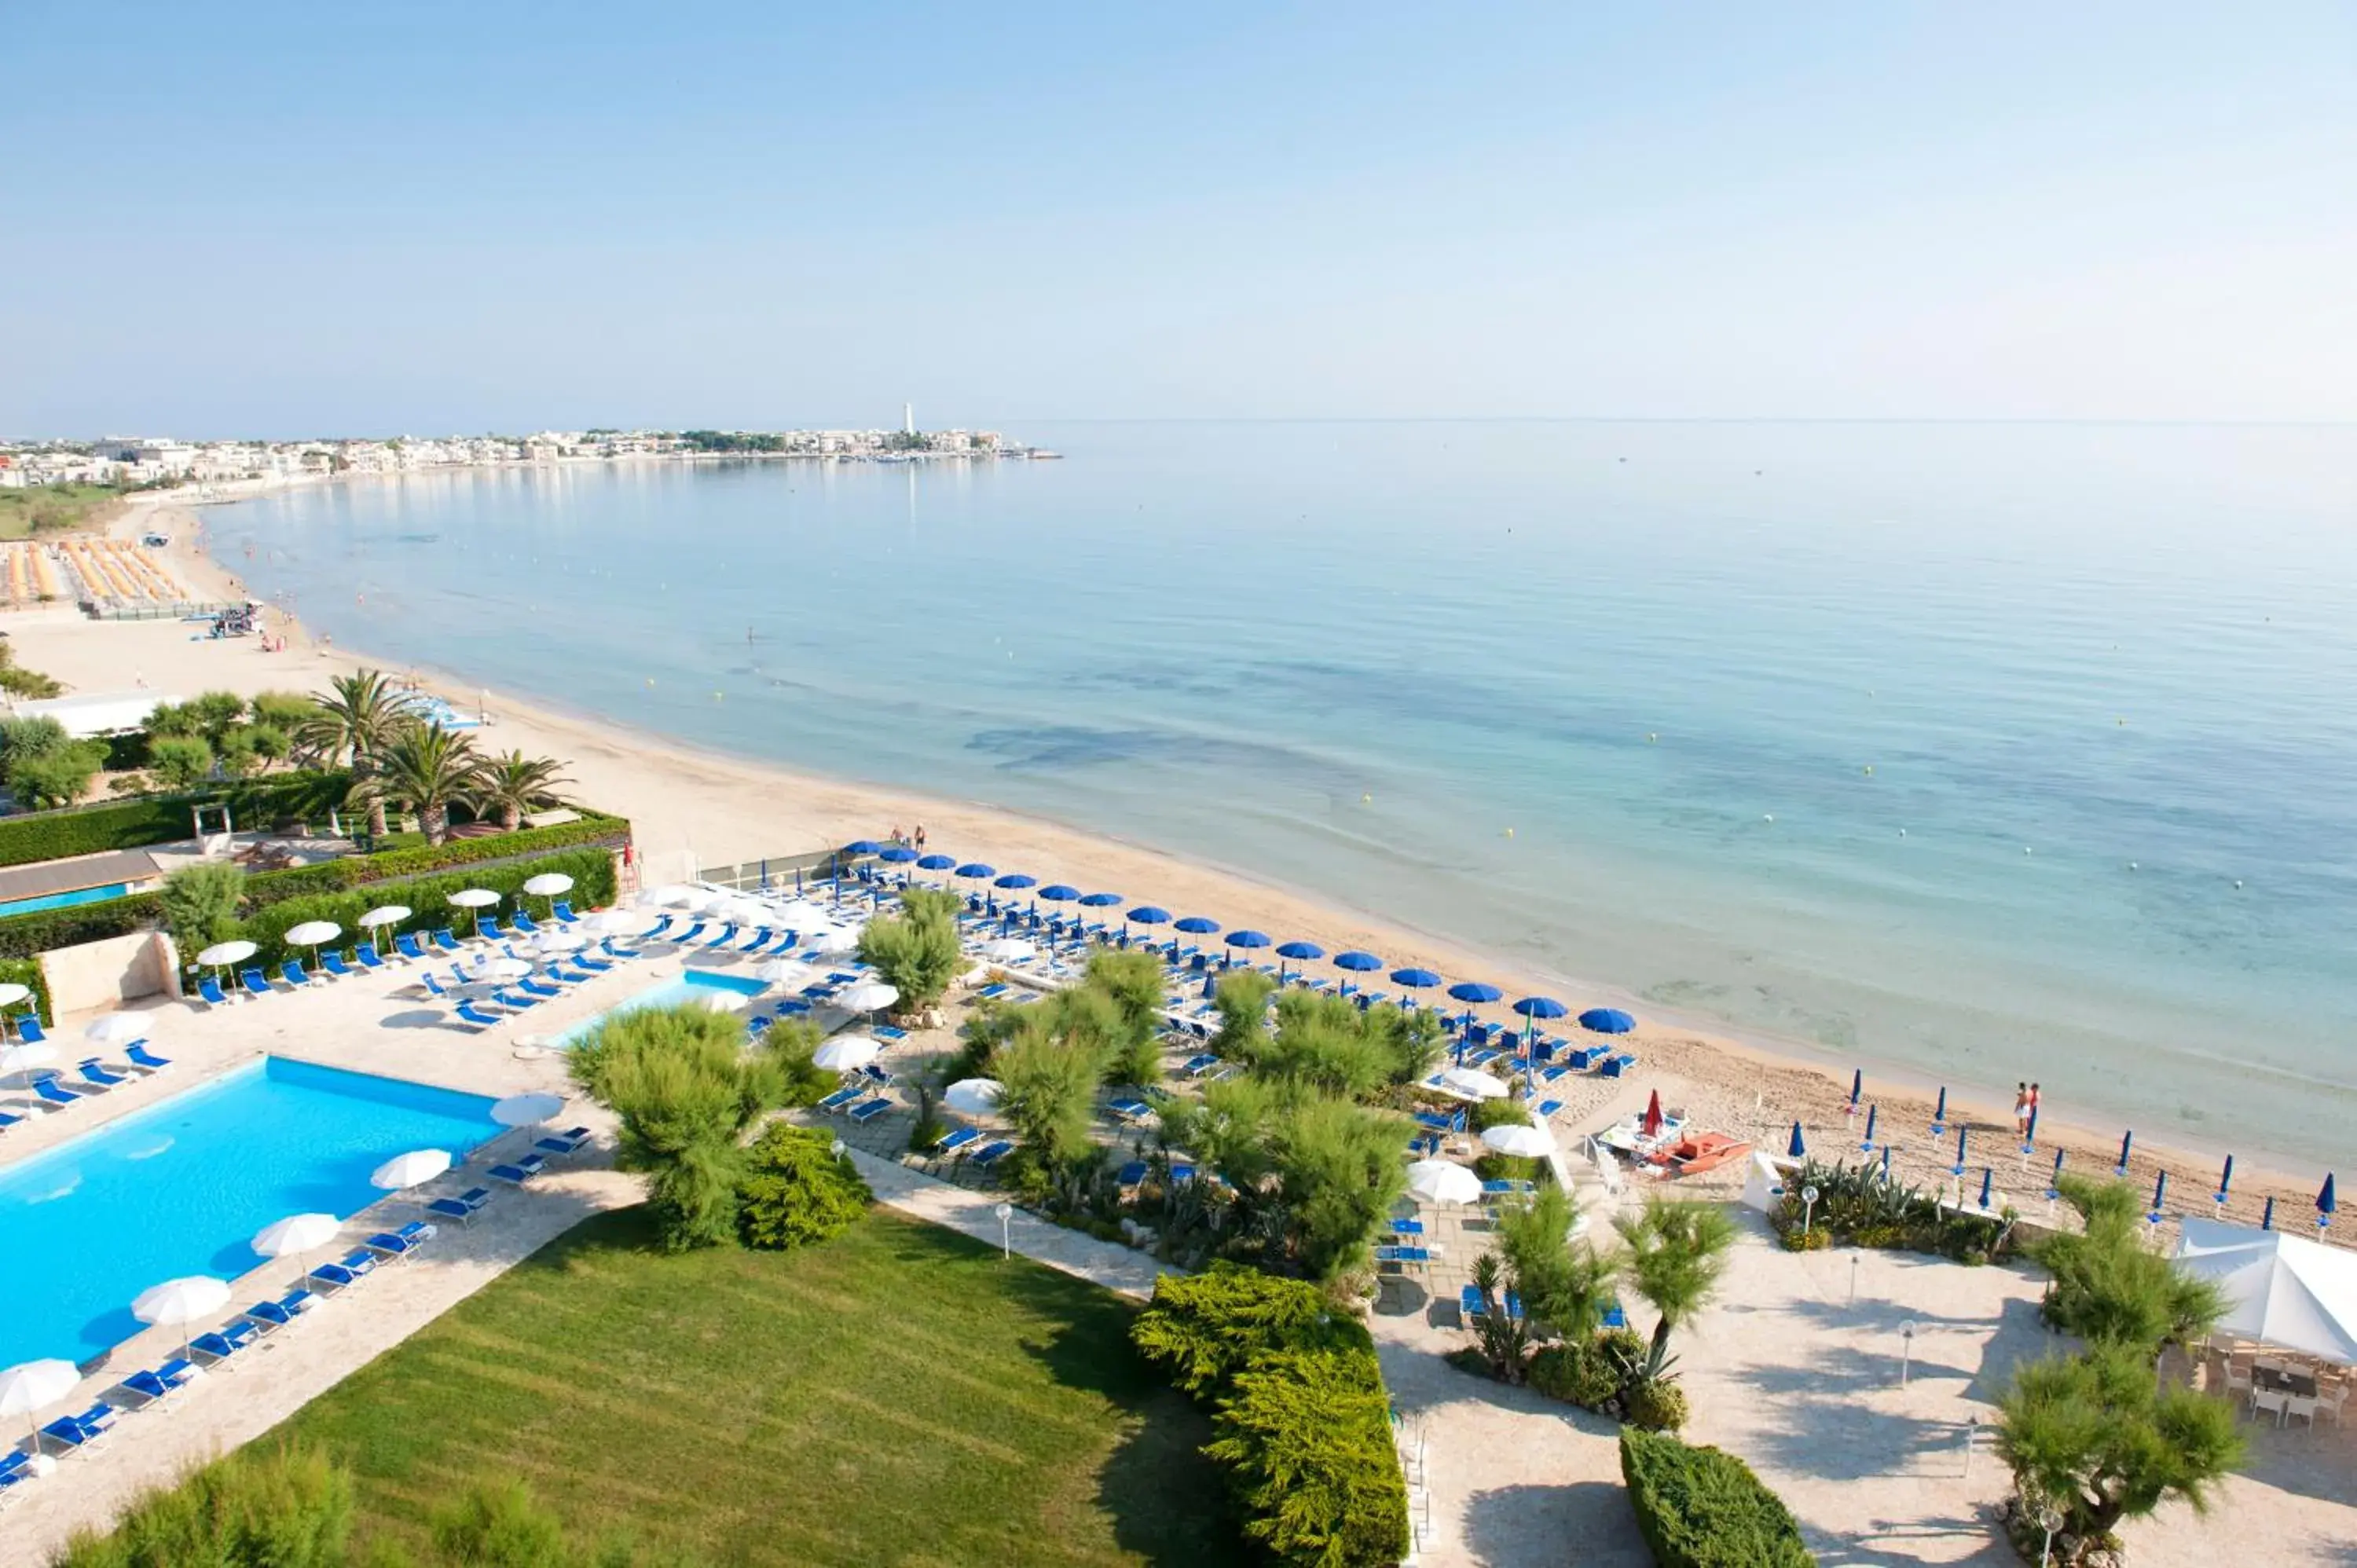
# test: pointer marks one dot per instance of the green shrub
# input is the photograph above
(1698, 1507)
(26, 972)
(1308, 1436)
(1506, 1113)
(592, 871)
(180, 763)
(1203, 1329)
(496, 1524)
(1657, 1404)
(57, 778)
(368, 870)
(23, 741)
(200, 903)
(1508, 1167)
(796, 1190)
(916, 952)
(287, 1509)
(1575, 1371)
(167, 819)
(43, 931)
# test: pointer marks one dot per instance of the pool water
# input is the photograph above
(64, 900)
(180, 1187)
(728, 991)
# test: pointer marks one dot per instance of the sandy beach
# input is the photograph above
(692, 806)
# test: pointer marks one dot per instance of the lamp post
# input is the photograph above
(1853, 1278)
(1005, 1212)
(1808, 1209)
(2049, 1520)
(1906, 1349)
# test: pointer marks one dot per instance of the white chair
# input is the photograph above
(2266, 1401)
(2329, 1397)
(2238, 1382)
(2302, 1406)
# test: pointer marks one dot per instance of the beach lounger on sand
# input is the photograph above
(209, 990)
(333, 962)
(512, 1002)
(399, 1243)
(445, 941)
(253, 983)
(524, 922)
(29, 1030)
(283, 1312)
(406, 945)
(518, 1171)
(366, 954)
(69, 1432)
(564, 912)
(293, 973)
(467, 1013)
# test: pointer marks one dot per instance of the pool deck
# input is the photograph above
(366, 1024)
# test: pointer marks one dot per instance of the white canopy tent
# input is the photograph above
(2280, 1290)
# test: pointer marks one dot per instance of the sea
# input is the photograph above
(1971, 752)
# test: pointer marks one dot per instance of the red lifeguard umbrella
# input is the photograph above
(1653, 1113)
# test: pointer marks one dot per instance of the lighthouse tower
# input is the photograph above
(908, 419)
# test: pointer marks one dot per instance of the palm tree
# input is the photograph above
(362, 718)
(427, 769)
(514, 784)
(1677, 1254)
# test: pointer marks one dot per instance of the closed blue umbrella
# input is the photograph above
(2267, 1220)
(1211, 988)
(2127, 1141)
(2225, 1180)
(1607, 1021)
(2054, 1182)
(1940, 1114)
(1058, 893)
(1796, 1149)
(1474, 992)
(2325, 1203)
(2030, 1132)
(1886, 1162)
(1857, 1086)
(936, 862)
(1959, 1169)
(2159, 1197)
(1867, 1146)
(1099, 901)
(1988, 1181)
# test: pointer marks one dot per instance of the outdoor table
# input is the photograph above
(2301, 1383)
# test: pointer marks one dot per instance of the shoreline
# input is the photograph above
(689, 799)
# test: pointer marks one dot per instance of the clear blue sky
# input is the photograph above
(315, 218)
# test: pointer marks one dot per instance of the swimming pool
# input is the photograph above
(64, 900)
(179, 1188)
(728, 991)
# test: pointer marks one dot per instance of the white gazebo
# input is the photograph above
(2280, 1290)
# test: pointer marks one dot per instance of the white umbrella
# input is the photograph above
(117, 1028)
(385, 915)
(296, 1234)
(1009, 950)
(181, 1302)
(834, 939)
(473, 899)
(548, 885)
(508, 968)
(847, 1052)
(1437, 1181)
(31, 1386)
(785, 971)
(620, 922)
(868, 996)
(14, 992)
(974, 1096)
(311, 933)
(1514, 1138)
(526, 1109)
(1475, 1082)
(410, 1169)
(557, 942)
(25, 1057)
(670, 895)
(221, 954)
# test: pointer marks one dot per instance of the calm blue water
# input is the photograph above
(1541, 687)
(180, 1187)
(695, 985)
(64, 900)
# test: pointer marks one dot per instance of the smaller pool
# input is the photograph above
(64, 900)
(723, 991)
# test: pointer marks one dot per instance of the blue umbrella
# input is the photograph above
(936, 862)
(2030, 1132)
(2127, 1141)
(1014, 882)
(1195, 926)
(1099, 901)
(899, 854)
(1868, 1146)
(1475, 991)
(1796, 1149)
(2325, 1203)
(1886, 1162)
(1415, 979)
(1857, 1086)
(1211, 988)
(974, 870)
(1988, 1180)
(1301, 953)
(1940, 1114)
(1058, 893)
(1541, 1008)
(1246, 939)
(1148, 914)
(1960, 1150)
(863, 846)
(2054, 1182)
(2225, 1180)
(2267, 1220)
(2159, 1193)
(1358, 962)
(1607, 1021)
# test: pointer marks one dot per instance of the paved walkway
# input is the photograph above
(962, 1209)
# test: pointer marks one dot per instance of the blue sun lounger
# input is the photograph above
(524, 922)
(68, 1433)
(562, 910)
(95, 1072)
(253, 983)
(991, 1154)
(445, 941)
(139, 1056)
(463, 1208)
(870, 1110)
(571, 1142)
(329, 1278)
(512, 1002)
(519, 1172)
(531, 987)
(405, 944)
(840, 1098)
(212, 1350)
(399, 1243)
(956, 1143)
(53, 1094)
(8, 1119)
(293, 973)
(28, 1029)
(279, 1314)
(209, 990)
(467, 1013)
(333, 962)
(366, 955)
(594, 965)
(1130, 1110)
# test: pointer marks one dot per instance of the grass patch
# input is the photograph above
(897, 1395)
(47, 507)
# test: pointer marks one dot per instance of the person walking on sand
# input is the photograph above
(2021, 1109)
(2033, 1110)
(921, 838)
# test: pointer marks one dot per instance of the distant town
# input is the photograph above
(161, 461)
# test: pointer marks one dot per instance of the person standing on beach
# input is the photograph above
(2033, 1111)
(2020, 1108)
(921, 838)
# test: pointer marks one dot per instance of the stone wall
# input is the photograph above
(109, 972)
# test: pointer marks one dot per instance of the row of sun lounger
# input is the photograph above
(92, 1074)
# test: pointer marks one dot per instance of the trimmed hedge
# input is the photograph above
(1303, 1421)
(1699, 1508)
(164, 818)
(592, 870)
(27, 936)
(271, 888)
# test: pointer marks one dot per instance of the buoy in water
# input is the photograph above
(1869, 770)
(1366, 799)
(2238, 882)
(1509, 833)
(1768, 817)
(2132, 865)
(1652, 736)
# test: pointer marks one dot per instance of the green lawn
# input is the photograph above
(899, 1395)
(55, 506)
